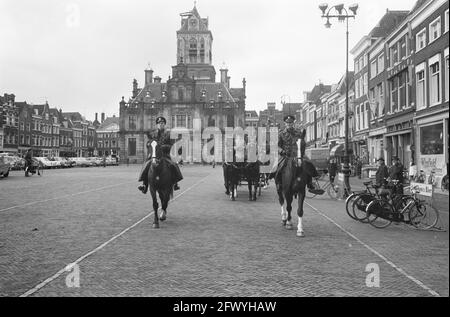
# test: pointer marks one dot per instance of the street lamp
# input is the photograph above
(342, 14)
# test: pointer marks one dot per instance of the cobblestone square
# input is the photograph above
(209, 245)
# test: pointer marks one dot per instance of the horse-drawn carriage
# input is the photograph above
(236, 174)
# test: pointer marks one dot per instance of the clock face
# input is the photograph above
(193, 23)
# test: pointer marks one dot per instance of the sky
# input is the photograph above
(82, 55)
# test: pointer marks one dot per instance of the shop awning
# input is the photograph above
(338, 150)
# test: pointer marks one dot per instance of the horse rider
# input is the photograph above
(287, 144)
(162, 137)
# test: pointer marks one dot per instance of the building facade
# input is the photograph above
(430, 42)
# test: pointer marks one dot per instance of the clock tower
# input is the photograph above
(194, 46)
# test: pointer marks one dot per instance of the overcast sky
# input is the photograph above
(82, 55)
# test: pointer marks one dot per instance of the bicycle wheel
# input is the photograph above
(333, 191)
(377, 211)
(359, 206)
(423, 216)
(348, 203)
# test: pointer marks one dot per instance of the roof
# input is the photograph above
(108, 122)
(317, 91)
(73, 116)
(388, 23)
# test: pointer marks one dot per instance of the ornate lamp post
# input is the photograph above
(342, 15)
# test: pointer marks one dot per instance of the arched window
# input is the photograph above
(193, 50)
(202, 50)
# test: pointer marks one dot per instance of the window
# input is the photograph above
(193, 50)
(132, 123)
(431, 139)
(420, 87)
(381, 99)
(356, 67)
(131, 147)
(365, 84)
(394, 94)
(403, 52)
(373, 68)
(446, 73)
(394, 55)
(421, 40)
(435, 29)
(402, 90)
(181, 121)
(446, 21)
(380, 63)
(434, 68)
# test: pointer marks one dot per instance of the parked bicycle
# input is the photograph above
(408, 209)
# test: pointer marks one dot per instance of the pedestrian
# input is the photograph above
(332, 169)
(396, 173)
(382, 173)
(104, 160)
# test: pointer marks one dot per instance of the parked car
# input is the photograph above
(46, 163)
(5, 167)
(82, 162)
(63, 163)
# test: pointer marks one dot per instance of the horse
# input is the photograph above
(231, 179)
(251, 174)
(159, 181)
(294, 178)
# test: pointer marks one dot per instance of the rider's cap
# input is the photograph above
(160, 119)
(289, 119)
(395, 158)
(381, 159)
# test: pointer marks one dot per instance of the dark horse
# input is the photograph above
(159, 181)
(294, 178)
(231, 179)
(251, 174)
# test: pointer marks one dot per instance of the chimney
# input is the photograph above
(148, 76)
(228, 82)
(223, 75)
(96, 116)
(135, 88)
(157, 80)
(103, 117)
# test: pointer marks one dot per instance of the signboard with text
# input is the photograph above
(422, 189)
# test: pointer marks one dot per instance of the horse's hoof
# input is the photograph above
(233, 199)
(289, 226)
(300, 234)
(227, 193)
(162, 217)
(155, 226)
(283, 223)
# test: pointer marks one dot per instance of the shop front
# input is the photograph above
(432, 142)
(398, 141)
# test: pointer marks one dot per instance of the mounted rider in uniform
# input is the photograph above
(162, 137)
(287, 144)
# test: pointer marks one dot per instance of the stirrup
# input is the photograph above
(316, 191)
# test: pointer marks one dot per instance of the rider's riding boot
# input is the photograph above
(176, 187)
(143, 188)
(313, 190)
